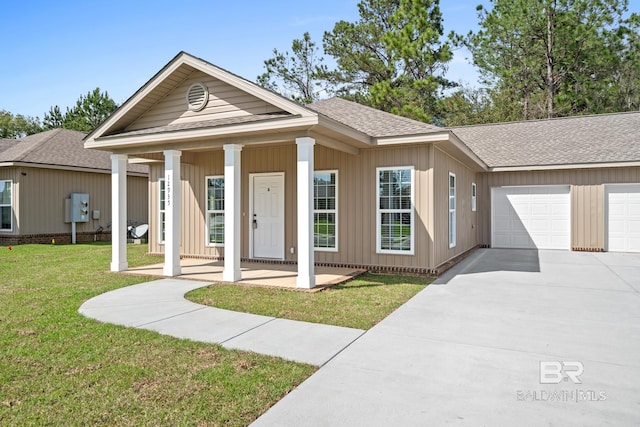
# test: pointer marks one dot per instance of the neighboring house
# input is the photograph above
(238, 172)
(37, 174)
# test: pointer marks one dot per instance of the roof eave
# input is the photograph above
(435, 136)
(114, 142)
(68, 168)
(594, 165)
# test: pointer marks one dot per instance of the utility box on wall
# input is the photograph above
(79, 207)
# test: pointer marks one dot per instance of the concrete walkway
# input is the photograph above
(160, 306)
(467, 350)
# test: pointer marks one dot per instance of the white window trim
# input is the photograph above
(10, 205)
(474, 196)
(160, 210)
(207, 211)
(334, 211)
(452, 227)
(379, 211)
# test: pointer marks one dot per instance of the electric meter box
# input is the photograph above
(79, 207)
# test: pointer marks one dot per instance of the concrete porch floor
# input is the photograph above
(253, 273)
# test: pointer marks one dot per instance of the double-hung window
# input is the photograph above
(215, 210)
(325, 210)
(6, 212)
(395, 217)
(161, 209)
(452, 209)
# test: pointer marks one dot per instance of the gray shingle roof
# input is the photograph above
(59, 147)
(605, 138)
(371, 122)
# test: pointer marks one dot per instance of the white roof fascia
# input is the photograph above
(565, 166)
(168, 136)
(412, 139)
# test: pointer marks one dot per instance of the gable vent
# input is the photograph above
(197, 96)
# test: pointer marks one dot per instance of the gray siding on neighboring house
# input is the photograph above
(587, 198)
(356, 201)
(39, 195)
(12, 174)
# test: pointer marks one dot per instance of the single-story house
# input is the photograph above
(38, 174)
(238, 172)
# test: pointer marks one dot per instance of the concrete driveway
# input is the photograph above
(468, 350)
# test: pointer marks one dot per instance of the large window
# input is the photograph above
(325, 210)
(452, 209)
(6, 221)
(161, 211)
(395, 224)
(215, 210)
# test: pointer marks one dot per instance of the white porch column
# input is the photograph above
(172, 213)
(306, 267)
(232, 215)
(119, 212)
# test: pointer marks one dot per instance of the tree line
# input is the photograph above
(89, 111)
(536, 58)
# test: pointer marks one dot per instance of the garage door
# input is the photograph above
(623, 224)
(531, 217)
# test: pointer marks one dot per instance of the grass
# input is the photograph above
(60, 368)
(360, 303)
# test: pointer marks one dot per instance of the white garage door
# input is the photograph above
(623, 203)
(531, 217)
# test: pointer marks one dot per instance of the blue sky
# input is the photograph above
(54, 51)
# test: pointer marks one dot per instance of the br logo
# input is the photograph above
(555, 372)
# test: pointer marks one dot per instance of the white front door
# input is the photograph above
(267, 216)
(623, 223)
(531, 217)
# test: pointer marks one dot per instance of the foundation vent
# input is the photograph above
(197, 96)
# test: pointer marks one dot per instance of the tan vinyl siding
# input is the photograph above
(587, 198)
(224, 101)
(43, 193)
(156, 171)
(587, 217)
(466, 219)
(356, 204)
(193, 196)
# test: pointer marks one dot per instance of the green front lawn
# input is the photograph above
(60, 368)
(360, 303)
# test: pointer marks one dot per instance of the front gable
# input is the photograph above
(161, 107)
(224, 101)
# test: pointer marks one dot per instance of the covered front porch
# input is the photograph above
(184, 212)
(253, 273)
(194, 121)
